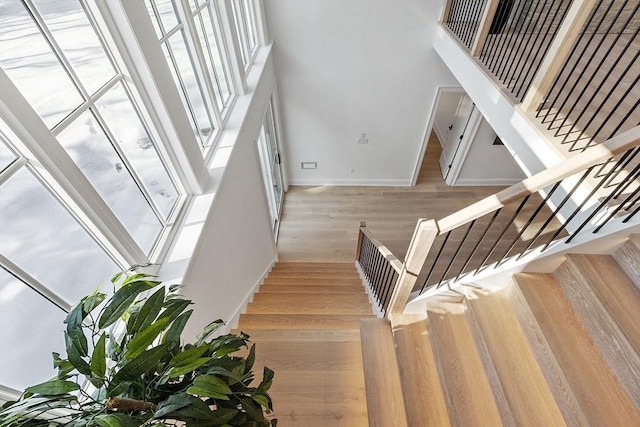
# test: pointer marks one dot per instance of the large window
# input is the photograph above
(61, 65)
(49, 261)
(95, 168)
(192, 45)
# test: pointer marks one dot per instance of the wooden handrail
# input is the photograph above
(614, 146)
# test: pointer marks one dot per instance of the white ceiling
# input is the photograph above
(345, 67)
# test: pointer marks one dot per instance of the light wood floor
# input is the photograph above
(321, 223)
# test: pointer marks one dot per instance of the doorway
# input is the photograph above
(271, 161)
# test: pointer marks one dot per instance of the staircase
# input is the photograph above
(305, 323)
(550, 349)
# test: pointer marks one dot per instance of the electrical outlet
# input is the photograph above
(308, 165)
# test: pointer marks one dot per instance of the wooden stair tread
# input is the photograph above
(600, 394)
(351, 274)
(299, 321)
(628, 257)
(555, 377)
(325, 414)
(314, 281)
(385, 405)
(311, 266)
(305, 289)
(616, 291)
(291, 355)
(265, 335)
(423, 396)
(519, 374)
(304, 298)
(309, 306)
(469, 396)
(623, 361)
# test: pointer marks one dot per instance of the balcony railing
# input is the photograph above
(573, 64)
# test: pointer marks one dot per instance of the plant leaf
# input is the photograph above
(74, 318)
(120, 302)
(174, 307)
(99, 357)
(90, 302)
(210, 386)
(208, 330)
(53, 388)
(172, 403)
(63, 365)
(251, 358)
(172, 336)
(142, 340)
(149, 311)
(267, 380)
(75, 358)
(115, 420)
(178, 371)
(187, 356)
(141, 364)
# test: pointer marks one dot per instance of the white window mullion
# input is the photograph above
(29, 127)
(134, 36)
(261, 23)
(233, 45)
(34, 284)
(194, 46)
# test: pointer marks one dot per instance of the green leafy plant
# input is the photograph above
(125, 366)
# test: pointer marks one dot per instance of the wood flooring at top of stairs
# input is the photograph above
(305, 323)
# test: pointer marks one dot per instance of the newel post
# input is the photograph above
(558, 53)
(363, 224)
(484, 26)
(425, 233)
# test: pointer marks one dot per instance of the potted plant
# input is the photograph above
(125, 366)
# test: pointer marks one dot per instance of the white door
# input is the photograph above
(451, 146)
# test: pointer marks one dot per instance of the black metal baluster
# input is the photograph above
(620, 207)
(475, 248)
(598, 209)
(435, 261)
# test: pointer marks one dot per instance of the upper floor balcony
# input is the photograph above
(569, 67)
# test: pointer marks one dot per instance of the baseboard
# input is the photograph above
(351, 182)
(232, 323)
(468, 182)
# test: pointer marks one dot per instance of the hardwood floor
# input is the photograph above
(321, 224)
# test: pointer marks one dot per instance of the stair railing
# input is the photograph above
(571, 65)
(379, 268)
(552, 206)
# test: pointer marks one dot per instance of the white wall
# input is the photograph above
(488, 164)
(348, 67)
(230, 223)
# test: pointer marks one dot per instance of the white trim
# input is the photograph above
(316, 182)
(232, 323)
(425, 140)
(469, 182)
